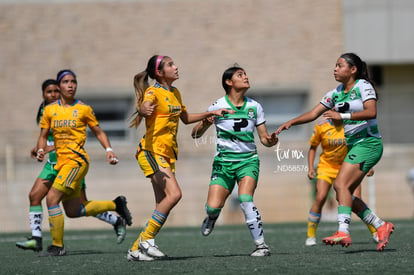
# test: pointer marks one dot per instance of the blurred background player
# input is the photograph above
(236, 158)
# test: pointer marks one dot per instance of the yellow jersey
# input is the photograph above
(68, 125)
(333, 143)
(162, 125)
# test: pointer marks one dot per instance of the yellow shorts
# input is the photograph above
(327, 173)
(69, 179)
(150, 162)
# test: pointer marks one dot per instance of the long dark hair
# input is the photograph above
(362, 69)
(45, 83)
(228, 74)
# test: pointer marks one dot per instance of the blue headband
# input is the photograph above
(65, 73)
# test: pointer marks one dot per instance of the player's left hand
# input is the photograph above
(332, 115)
(111, 158)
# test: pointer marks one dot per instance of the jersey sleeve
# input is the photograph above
(213, 107)
(90, 117)
(315, 139)
(45, 120)
(178, 96)
(367, 91)
(260, 115)
(327, 100)
(149, 95)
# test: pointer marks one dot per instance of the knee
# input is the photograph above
(320, 199)
(338, 187)
(35, 199)
(176, 196)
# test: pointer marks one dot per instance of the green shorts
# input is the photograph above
(49, 173)
(227, 173)
(366, 153)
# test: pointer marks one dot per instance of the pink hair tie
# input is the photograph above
(157, 64)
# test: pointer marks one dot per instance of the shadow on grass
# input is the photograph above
(89, 252)
(179, 258)
(371, 250)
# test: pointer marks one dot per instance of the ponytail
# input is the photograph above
(141, 83)
(40, 111)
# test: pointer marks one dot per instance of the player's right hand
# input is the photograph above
(40, 154)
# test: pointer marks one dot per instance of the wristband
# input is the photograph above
(40, 150)
(109, 149)
(345, 116)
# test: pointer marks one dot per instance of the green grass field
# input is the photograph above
(225, 251)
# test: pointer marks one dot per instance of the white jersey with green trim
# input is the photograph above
(352, 102)
(235, 139)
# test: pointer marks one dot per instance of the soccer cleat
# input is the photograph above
(122, 209)
(207, 226)
(384, 233)
(311, 241)
(137, 255)
(260, 251)
(338, 238)
(151, 249)
(53, 251)
(120, 230)
(375, 237)
(32, 243)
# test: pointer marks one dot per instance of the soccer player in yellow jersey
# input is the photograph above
(330, 135)
(51, 93)
(162, 107)
(68, 118)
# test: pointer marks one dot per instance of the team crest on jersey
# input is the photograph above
(352, 95)
(250, 113)
(150, 92)
(75, 113)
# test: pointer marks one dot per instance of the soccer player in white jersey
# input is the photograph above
(354, 101)
(236, 160)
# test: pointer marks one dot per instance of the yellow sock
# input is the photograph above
(313, 222)
(93, 208)
(56, 223)
(312, 226)
(371, 228)
(150, 231)
(136, 243)
(152, 228)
